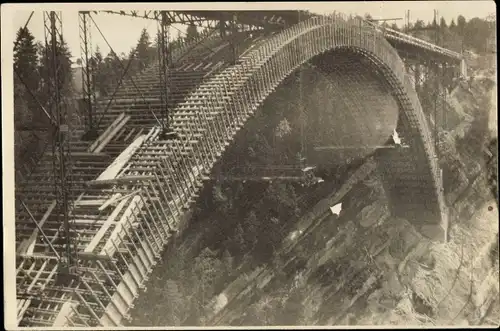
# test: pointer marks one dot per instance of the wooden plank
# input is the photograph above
(98, 236)
(131, 209)
(22, 305)
(84, 154)
(113, 132)
(105, 133)
(65, 313)
(28, 245)
(94, 257)
(97, 202)
(114, 168)
(122, 293)
(108, 202)
(119, 180)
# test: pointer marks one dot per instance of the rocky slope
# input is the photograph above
(363, 267)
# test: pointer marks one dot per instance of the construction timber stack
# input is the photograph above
(131, 186)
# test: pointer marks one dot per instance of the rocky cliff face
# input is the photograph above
(369, 268)
(362, 267)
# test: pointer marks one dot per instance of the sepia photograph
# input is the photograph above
(257, 164)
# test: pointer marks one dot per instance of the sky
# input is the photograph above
(123, 32)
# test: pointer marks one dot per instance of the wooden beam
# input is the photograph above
(103, 135)
(114, 168)
(102, 230)
(65, 313)
(101, 138)
(117, 198)
(110, 136)
(134, 205)
(22, 306)
(110, 201)
(97, 202)
(120, 180)
(94, 257)
(28, 245)
(84, 154)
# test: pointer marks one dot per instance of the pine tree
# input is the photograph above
(192, 32)
(452, 25)
(178, 39)
(25, 58)
(113, 71)
(62, 62)
(142, 48)
(22, 112)
(442, 23)
(461, 22)
(206, 268)
(97, 67)
(26, 66)
(394, 26)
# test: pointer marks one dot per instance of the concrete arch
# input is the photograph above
(412, 176)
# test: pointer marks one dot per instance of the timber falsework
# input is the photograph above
(130, 188)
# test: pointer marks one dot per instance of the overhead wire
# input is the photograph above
(185, 33)
(117, 88)
(125, 72)
(121, 80)
(209, 34)
(123, 67)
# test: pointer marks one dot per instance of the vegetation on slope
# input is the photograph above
(362, 268)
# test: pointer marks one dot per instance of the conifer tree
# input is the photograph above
(62, 62)
(192, 32)
(442, 23)
(25, 58)
(461, 22)
(26, 78)
(142, 49)
(452, 25)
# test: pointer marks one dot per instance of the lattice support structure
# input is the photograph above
(61, 149)
(164, 62)
(88, 68)
(135, 186)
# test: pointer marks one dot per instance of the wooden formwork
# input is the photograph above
(131, 188)
(120, 225)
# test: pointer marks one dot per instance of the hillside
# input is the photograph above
(253, 254)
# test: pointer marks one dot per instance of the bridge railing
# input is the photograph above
(391, 33)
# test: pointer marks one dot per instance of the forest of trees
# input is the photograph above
(33, 66)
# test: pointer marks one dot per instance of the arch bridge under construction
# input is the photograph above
(94, 214)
